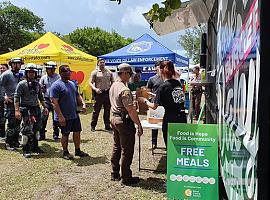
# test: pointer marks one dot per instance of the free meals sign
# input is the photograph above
(192, 162)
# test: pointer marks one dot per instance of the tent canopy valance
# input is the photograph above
(51, 48)
(144, 51)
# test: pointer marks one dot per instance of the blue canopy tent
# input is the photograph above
(142, 54)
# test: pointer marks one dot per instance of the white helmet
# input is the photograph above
(31, 67)
(16, 60)
(50, 65)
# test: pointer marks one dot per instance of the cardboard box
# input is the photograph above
(155, 116)
(142, 92)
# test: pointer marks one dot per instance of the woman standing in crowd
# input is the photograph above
(171, 96)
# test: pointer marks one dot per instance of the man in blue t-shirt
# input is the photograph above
(65, 99)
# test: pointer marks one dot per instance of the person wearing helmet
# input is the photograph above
(8, 81)
(3, 68)
(27, 96)
(46, 81)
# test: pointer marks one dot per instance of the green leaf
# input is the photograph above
(175, 4)
(155, 7)
(162, 18)
(155, 17)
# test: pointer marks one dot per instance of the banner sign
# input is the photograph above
(192, 162)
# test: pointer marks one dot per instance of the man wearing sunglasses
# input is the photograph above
(65, 99)
(124, 115)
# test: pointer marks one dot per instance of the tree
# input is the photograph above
(19, 27)
(191, 41)
(160, 13)
(96, 41)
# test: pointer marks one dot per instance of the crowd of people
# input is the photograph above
(22, 98)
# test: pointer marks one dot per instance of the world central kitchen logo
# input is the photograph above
(140, 47)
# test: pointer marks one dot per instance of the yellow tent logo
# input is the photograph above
(68, 49)
(37, 49)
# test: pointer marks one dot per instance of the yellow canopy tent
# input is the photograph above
(51, 48)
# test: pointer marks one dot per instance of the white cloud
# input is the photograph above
(99, 7)
(134, 17)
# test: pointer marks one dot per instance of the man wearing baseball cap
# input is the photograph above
(124, 115)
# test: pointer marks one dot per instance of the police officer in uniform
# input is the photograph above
(8, 81)
(124, 115)
(27, 96)
(100, 82)
(46, 81)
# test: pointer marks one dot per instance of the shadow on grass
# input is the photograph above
(162, 165)
(2, 145)
(50, 152)
(103, 130)
(153, 183)
(69, 141)
(87, 161)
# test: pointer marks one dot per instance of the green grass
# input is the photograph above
(50, 177)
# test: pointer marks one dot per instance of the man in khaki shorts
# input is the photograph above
(100, 81)
(124, 115)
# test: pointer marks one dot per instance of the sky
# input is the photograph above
(126, 19)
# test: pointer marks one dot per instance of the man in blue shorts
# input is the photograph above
(65, 99)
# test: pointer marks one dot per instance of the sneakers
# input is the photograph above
(67, 156)
(55, 137)
(10, 148)
(115, 177)
(132, 181)
(93, 129)
(81, 154)
(27, 154)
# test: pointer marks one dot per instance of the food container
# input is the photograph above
(155, 116)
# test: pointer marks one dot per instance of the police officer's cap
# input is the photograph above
(31, 67)
(16, 60)
(50, 65)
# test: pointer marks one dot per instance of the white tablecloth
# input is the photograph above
(146, 124)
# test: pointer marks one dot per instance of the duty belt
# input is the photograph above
(119, 114)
